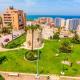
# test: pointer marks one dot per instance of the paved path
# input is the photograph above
(4, 49)
(22, 47)
(24, 76)
(69, 78)
(27, 76)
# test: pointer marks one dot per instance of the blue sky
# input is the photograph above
(48, 7)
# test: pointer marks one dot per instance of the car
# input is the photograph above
(6, 40)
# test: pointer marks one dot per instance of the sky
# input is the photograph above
(44, 7)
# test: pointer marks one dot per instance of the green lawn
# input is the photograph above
(16, 42)
(48, 63)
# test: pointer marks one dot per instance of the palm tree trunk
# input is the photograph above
(32, 39)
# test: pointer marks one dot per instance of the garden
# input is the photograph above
(16, 42)
(53, 59)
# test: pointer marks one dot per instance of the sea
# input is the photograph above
(33, 17)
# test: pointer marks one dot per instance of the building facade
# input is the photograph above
(47, 31)
(16, 17)
(73, 24)
(59, 22)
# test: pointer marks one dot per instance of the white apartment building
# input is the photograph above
(47, 31)
(59, 22)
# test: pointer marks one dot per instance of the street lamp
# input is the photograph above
(37, 77)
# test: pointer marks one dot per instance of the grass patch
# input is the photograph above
(48, 63)
(16, 42)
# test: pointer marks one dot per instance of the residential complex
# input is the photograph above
(73, 24)
(47, 31)
(67, 24)
(17, 18)
(59, 22)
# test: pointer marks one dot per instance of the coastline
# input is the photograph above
(32, 17)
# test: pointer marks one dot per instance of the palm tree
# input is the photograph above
(32, 28)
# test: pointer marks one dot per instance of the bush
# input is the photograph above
(56, 35)
(16, 42)
(31, 55)
(65, 47)
(13, 45)
(1, 78)
(76, 39)
(2, 59)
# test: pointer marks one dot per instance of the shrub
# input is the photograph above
(13, 45)
(16, 42)
(76, 39)
(1, 77)
(31, 55)
(56, 35)
(65, 47)
(2, 59)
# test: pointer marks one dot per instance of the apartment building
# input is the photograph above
(16, 17)
(47, 31)
(73, 24)
(44, 20)
(59, 22)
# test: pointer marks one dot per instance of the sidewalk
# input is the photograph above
(22, 47)
(28, 76)
(21, 76)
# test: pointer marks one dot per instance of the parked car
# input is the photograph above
(6, 40)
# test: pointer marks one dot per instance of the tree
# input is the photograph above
(65, 47)
(5, 30)
(76, 39)
(56, 35)
(32, 28)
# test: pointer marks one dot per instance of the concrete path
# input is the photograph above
(28, 76)
(24, 76)
(22, 47)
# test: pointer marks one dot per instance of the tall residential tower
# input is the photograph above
(16, 17)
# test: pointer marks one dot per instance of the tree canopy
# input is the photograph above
(65, 47)
(32, 27)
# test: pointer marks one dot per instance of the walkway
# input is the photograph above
(27, 76)
(22, 76)
(22, 47)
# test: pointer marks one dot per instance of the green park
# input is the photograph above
(50, 58)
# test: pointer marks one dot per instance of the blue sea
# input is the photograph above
(32, 17)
